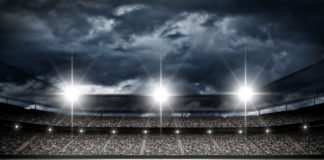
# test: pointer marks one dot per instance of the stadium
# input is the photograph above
(161, 79)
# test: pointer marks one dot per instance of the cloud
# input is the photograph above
(119, 11)
(117, 46)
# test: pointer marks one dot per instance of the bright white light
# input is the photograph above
(161, 95)
(305, 127)
(240, 131)
(177, 131)
(81, 131)
(209, 131)
(113, 131)
(245, 93)
(145, 131)
(71, 94)
(267, 130)
(16, 126)
(50, 129)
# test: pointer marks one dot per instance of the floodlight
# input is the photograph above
(145, 131)
(16, 126)
(209, 131)
(305, 127)
(240, 131)
(245, 93)
(50, 129)
(177, 131)
(113, 131)
(161, 95)
(71, 94)
(81, 130)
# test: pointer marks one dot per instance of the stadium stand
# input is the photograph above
(27, 143)
(31, 137)
(123, 144)
(165, 144)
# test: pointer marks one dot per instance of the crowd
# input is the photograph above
(132, 122)
(237, 145)
(46, 144)
(195, 144)
(161, 145)
(84, 144)
(10, 141)
(166, 122)
(311, 143)
(22, 143)
(276, 144)
(123, 144)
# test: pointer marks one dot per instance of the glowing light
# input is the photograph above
(161, 95)
(305, 127)
(50, 129)
(71, 94)
(240, 131)
(81, 131)
(145, 131)
(113, 131)
(209, 132)
(267, 130)
(16, 126)
(245, 93)
(177, 131)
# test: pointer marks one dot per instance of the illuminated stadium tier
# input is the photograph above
(33, 133)
(287, 143)
(289, 133)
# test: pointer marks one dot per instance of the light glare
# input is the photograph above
(245, 93)
(71, 94)
(305, 127)
(161, 95)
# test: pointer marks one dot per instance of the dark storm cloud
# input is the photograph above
(116, 45)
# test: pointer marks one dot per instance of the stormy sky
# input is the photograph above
(118, 46)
